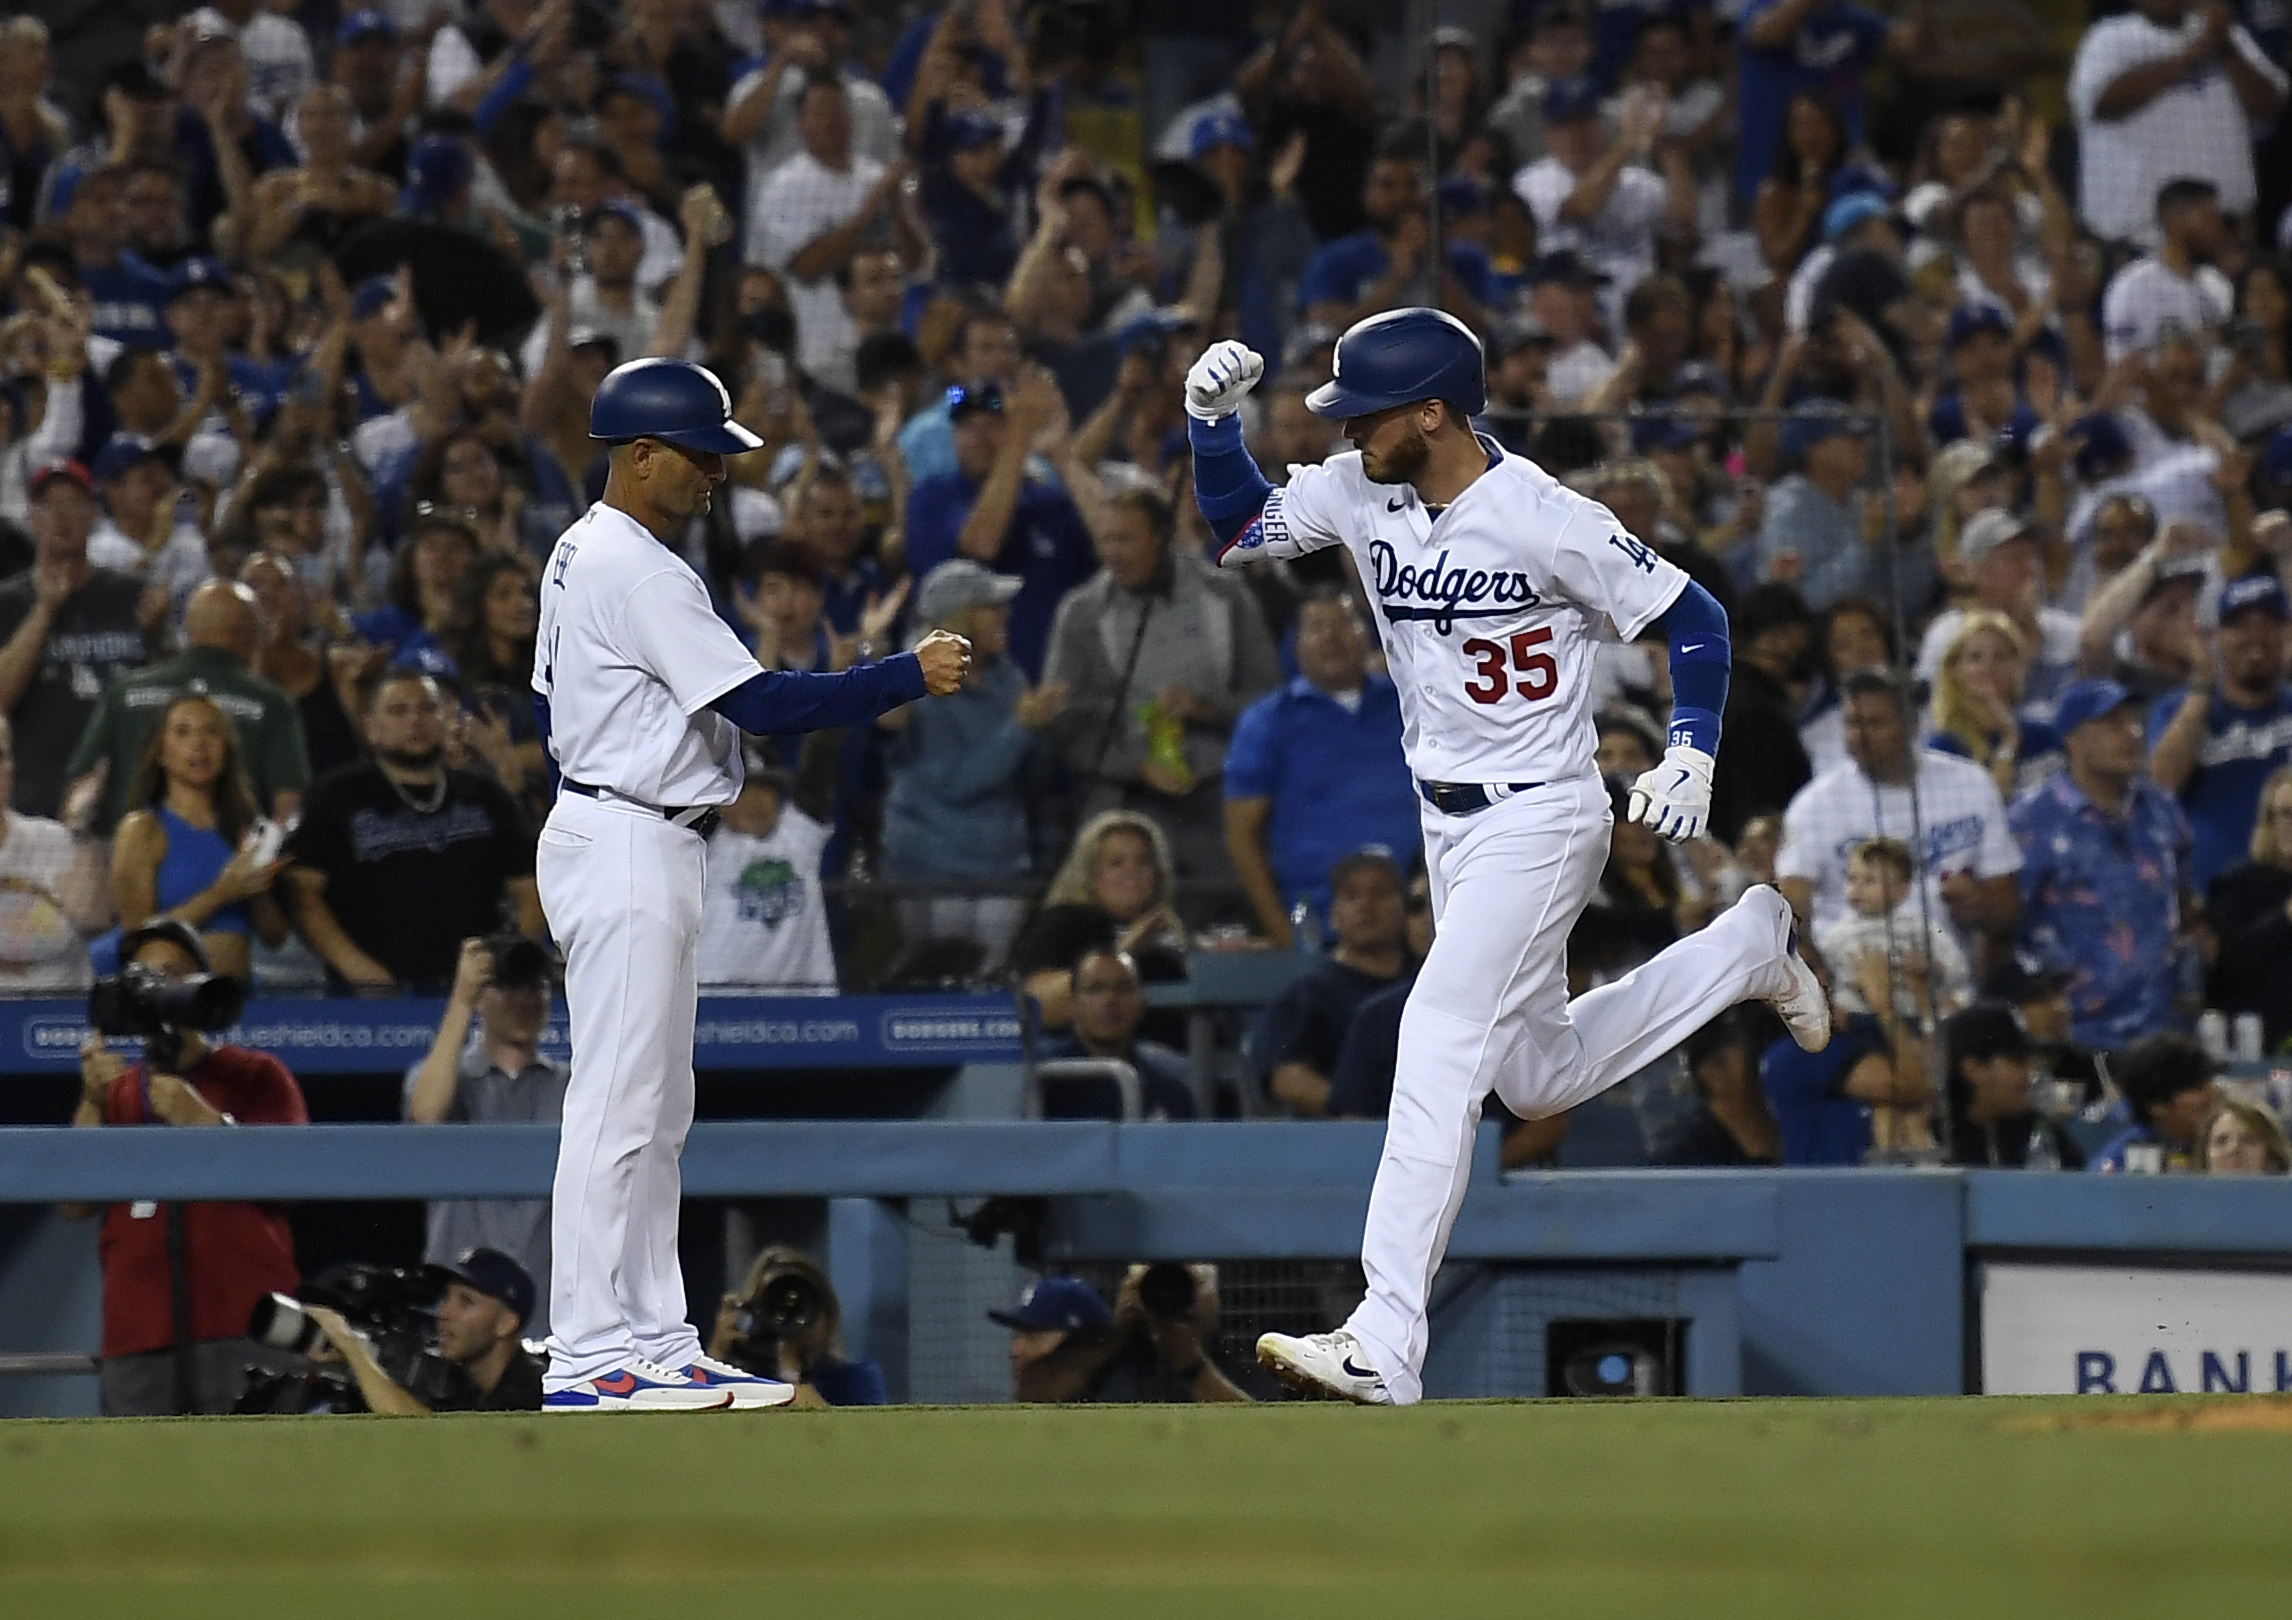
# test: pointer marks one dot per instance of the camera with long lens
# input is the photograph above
(160, 1009)
(393, 1307)
(783, 1306)
(1167, 1291)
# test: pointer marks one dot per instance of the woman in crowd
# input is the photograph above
(180, 853)
(2250, 910)
(2253, 396)
(1856, 634)
(957, 809)
(1115, 888)
(1786, 216)
(413, 625)
(287, 654)
(490, 637)
(2244, 1139)
(1977, 697)
(463, 472)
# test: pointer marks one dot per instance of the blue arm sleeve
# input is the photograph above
(781, 700)
(497, 101)
(1697, 627)
(1227, 485)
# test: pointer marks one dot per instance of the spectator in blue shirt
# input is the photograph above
(1382, 266)
(2104, 867)
(969, 188)
(1823, 46)
(2170, 1086)
(199, 296)
(1823, 1101)
(128, 294)
(1301, 1033)
(985, 356)
(224, 145)
(991, 510)
(1315, 771)
(1813, 533)
(1109, 1005)
(2214, 744)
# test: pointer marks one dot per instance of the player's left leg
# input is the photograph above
(1572, 1054)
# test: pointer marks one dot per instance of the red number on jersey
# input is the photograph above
(1539, 673)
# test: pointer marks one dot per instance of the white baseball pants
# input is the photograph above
(1490, 1011)
(622, 891)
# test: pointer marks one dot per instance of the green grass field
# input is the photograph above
(1685, 1508)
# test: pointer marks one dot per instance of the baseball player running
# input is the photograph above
(642, 693)
(1493, 581)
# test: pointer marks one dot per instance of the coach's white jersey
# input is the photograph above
(629, 656)
(1489, 611)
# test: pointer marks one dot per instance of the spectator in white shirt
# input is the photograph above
(1563, 296)
(2168, 89)
(2005, 558)
(1596, 196)
(2176, 286)
(587, 174)
(1888, 789)
(606, 299)
(817, 210)
(280, 66)
(762, 114)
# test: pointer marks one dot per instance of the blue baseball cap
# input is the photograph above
(437, 170)
(359, 26)
(1569, 100)
(620, 208)
(2251, 591)
(1663, 433)
(1968, 319)
(1460, 196)
(1816, 421)
(1056, 1302)
(646, 89)
(1215, 129)
(2088, 700)
(121, 452)
(1565, 266)
(2101, 445)
(371, 295)
(962, 399)
(197, 272)
(495, 1275)
(1850, 211)
(1861, 177)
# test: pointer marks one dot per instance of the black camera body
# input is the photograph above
(393, 1306)
(142, 1003)
(1167, 1291)
(784, 1305)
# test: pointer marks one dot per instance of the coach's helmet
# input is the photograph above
(674, 401)
(1400, 357)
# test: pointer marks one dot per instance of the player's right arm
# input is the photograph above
(1249, 516)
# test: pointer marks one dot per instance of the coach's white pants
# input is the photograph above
(1490, 1011)
(622, 890)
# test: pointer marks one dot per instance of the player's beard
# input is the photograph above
(1402, 463)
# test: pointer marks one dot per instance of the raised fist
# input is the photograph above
(946, 659)
(1218, 380)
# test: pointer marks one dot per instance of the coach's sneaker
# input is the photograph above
(746, 1389)
(638, 1387)
(1329, 1364)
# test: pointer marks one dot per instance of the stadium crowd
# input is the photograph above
(1951, 349)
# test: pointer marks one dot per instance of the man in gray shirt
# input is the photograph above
(499, 1076)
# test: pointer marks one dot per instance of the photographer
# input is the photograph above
(487, 1301)
(179, 1280)
(787, 1323)
(1066, 1346)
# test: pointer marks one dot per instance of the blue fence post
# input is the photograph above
(867, 1262)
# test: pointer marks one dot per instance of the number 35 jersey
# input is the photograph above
(1489, 610)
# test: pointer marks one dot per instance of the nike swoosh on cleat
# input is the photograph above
(619, 1383)
(1352, 1371)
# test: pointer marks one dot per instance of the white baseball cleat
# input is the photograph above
(1326, 1364)
(641, 1386)
(748, 1391)
(1804, 1006)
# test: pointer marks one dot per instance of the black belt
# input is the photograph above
(1464, 798)
(699, 818)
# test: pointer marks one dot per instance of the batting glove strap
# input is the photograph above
(1218, 381)
(1674, 799)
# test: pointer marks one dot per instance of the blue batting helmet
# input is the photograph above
(674, 401)
(1399, 358)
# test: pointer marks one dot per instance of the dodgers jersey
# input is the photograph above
(1490, 610)
(629, 656)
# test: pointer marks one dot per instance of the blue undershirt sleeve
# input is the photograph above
(548, 754)
(780, 700)
(1696, 625)
(1228, 487)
